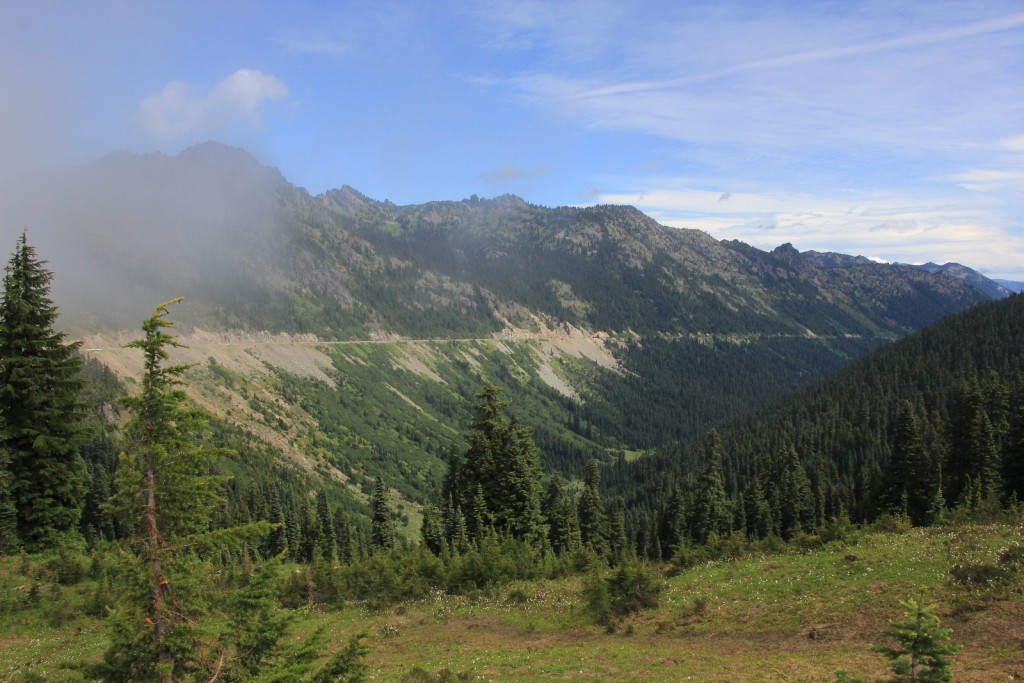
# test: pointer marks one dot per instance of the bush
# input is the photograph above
(891, 524)
(629, 589)
(386, 578)
(730, 548)
(68, 564)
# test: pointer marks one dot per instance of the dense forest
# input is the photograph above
(154, 498)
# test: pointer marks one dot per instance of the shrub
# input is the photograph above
(629, 589)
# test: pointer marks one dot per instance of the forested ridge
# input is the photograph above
(934, 419)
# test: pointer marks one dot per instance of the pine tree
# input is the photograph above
(383, 533)
(309, 530)
(710, 513)
(166, 495)
(327, 544)
(986, 459)
(590, 511)
(759, 515)
(503, 463)
(923, 654)
(277, 540)
(793, 496)
(618, 542)
(344, 534)
(908, 483)
(42, 418)
(559, 508)
(432, 529)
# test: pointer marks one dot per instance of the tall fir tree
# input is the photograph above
(166, 496)
(383, 532)
(328, 541)
(344, 535)
(42, 417)
(590, 511)
(791, 494)
(710, 513)
(910, 478)
(559, 508)
(503, 464)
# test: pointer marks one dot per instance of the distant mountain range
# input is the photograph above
(249, 250)
(992, 288)
(1011, 285)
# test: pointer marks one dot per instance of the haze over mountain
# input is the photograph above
(249, 250)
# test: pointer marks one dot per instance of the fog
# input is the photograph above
(127, 232)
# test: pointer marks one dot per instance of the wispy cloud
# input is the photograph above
(322, 47)
(182, 109)
(893, 229)
(991, 179)
(1013, 144)
(505, 174)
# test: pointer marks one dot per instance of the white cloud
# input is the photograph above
(1013, 144)
(990, 179)
(887, 228)
(182, 110)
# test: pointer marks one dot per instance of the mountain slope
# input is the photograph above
(843, 427)
(991, 288)
(252, 251)
(683, 331)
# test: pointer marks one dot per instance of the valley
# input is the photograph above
(502, 441)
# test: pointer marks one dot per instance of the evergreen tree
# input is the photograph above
(710, 513)
(42, 418)
(908, 482)
(309, 529)
(923, 654)
(277, 540)
(559, 508)
(96, 520)
(962, 459)
(792, 495)
(327, 544)
(672, 523)
(383, 533)
(165, 494)
(503, 464)
(618, 541)
(986, 460)
(432, 529)
(590, 511)
(759, 515)
(345, 538)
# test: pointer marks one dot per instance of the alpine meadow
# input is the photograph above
(489, 440)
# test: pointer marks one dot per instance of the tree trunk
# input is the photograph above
(161, 589)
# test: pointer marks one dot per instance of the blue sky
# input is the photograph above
(889, 129)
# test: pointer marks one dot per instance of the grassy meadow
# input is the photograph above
(796, 615)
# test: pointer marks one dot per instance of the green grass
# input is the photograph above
(796, 616)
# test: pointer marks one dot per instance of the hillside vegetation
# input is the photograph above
(795, 616)
(444, 430)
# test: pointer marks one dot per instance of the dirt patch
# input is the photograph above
(412, 358)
